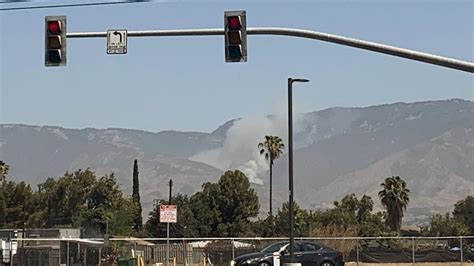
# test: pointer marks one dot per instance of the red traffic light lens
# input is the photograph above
(54, 27)
(234, 22)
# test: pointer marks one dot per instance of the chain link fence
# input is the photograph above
(220, 251)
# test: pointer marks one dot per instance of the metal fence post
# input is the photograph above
(413, 250)
(233, 249)
(67, 254)
(184, 252)
(11, 252)
(357, 252)
(460, 246)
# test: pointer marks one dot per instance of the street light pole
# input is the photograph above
(290, 163)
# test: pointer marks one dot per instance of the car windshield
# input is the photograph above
(273, 247)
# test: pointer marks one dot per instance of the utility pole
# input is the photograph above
(171, 189)
(168, 228)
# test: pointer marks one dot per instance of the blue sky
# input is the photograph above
(183, 83)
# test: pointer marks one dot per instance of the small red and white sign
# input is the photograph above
(168, 214)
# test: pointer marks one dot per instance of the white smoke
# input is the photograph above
(240, 149)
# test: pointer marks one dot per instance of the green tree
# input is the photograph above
(138, 222)
(446, 225)
(18, 204)
(219, 209)
(3, 208)
(81, 199)
(354, 213)
(75, 199)
(3, 201)
(67, 197)
(47, 195)
(37, 217)
(236, 203)
(205, 207)
(394, 197)
(272, 147)
(349, 204)
(186, 225)
(344, 213)
(464, 212)
(121, 218)
(301, 219)
(365, 207)
(3, 170)
(107, 211)
(373, 225)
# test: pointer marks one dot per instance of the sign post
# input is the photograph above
(168, 214)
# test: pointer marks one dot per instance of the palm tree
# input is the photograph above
(394, 197)
(272, 148)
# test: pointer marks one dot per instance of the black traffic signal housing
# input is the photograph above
(235, 31)
(55, 41)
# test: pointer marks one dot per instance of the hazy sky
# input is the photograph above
(183, 83)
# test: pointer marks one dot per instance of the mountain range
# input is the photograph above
(338, 151)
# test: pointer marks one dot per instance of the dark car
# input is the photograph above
(306, 252)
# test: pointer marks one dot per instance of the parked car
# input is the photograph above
(306, 252)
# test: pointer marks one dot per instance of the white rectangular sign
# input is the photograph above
(116, 41)
(168, 214)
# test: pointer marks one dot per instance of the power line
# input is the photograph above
(71, 5)
(13, 1)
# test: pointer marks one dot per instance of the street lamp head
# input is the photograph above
(299, 80)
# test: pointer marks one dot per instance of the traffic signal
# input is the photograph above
(55, 41)
(235, 31)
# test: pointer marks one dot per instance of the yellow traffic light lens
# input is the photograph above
(234, 37)
(54, 42)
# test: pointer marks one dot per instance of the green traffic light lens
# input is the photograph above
(54, 56)
(235, 52)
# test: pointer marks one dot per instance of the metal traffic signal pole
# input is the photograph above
(365, 45)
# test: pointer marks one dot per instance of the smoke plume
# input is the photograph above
(240, 149)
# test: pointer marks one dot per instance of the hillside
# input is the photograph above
(438, 172)
(338, 151)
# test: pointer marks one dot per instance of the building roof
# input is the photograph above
(202, 244)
